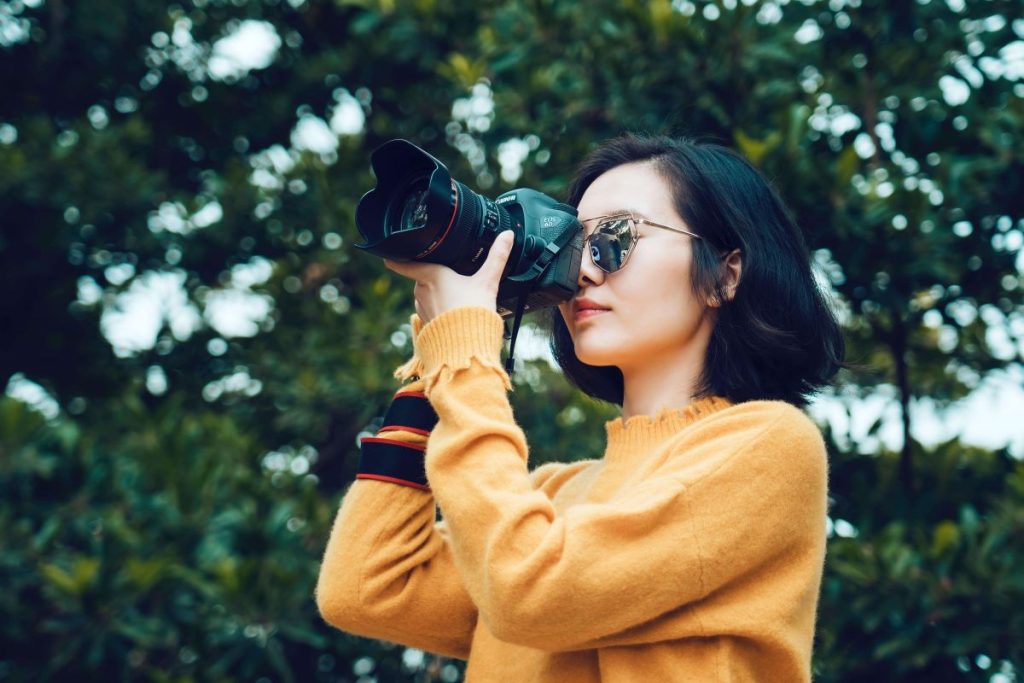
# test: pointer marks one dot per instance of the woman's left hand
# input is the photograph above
(439, 288)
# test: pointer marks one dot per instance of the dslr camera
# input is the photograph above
(418, 212)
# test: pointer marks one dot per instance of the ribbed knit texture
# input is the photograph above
(641, 433)
(462, 336)
(692, 551)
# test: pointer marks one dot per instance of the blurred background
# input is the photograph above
(190, 345)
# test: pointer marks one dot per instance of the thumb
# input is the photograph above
(499, 253)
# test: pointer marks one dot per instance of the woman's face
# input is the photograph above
(652, 316)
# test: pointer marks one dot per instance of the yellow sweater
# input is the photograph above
(692, 551)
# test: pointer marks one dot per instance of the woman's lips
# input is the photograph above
(585, 308)
(585, 313)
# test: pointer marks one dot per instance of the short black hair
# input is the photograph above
(777, 338)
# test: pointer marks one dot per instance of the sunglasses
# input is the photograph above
(614, 237)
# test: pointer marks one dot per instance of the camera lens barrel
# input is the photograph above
(476, 223)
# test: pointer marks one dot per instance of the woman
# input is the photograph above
(693, 550)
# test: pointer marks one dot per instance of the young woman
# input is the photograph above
(693, 550)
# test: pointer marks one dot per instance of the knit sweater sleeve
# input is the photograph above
(602, 574)
(388, 571)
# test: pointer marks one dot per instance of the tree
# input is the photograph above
(177, 503)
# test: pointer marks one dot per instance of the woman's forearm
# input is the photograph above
(387, 571)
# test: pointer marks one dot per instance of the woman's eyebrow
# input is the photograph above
(617, 212)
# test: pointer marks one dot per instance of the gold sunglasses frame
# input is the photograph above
(634, 231)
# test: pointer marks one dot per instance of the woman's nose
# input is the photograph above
(590, 274)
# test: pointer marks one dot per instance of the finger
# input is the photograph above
(497, 257)
(410, 269)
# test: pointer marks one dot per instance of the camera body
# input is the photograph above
(418, 212)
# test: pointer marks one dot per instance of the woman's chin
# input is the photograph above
(598, 360)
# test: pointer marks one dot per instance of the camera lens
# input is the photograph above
(414, 212)
(419, 212)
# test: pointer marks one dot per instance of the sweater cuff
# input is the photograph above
(456, 338)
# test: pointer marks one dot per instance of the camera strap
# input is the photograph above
(551, 250)
(520, 307)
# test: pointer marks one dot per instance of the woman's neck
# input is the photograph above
(657, 384)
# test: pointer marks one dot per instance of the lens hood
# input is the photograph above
(403, 169)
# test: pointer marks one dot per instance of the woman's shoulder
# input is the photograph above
(745, 433)
(750, 419)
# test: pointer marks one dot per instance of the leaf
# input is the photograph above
(275, 653)
(59, 578)
(303, 634)
(462, 70)
(752, 148)
(83, 573)
(144, 573)
(46, 533)
(945, 536)
(84, 570)
(846, 165)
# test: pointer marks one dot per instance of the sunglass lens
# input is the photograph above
(610, 244)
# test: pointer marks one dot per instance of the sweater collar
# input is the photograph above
(640, 433)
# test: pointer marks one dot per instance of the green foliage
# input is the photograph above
(929, 592)
(167, 523)
(904, 603)
(166, 549)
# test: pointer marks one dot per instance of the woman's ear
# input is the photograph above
(732, 268)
